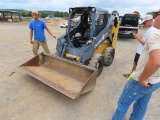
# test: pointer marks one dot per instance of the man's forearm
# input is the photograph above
(138, 37)
(141, 41)
(149, 69)
(31, 36)
(48, 30)
(151, 66)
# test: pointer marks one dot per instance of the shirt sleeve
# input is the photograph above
(144, 36)
(153, 41)
(44, 24)
(31, 26)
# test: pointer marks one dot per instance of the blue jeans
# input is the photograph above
(140, 95)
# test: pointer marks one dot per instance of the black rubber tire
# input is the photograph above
(109, 56)
(97, 61)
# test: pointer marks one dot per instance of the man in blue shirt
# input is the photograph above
(37, 26)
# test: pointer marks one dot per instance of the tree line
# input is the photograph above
(44, 14)
(50, 14)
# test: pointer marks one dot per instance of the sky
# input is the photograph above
(122, 6)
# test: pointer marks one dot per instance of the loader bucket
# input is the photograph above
(68, 77)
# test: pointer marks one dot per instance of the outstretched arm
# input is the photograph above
(139, 38)
(48, 30)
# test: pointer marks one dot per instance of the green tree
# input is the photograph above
(44, 14)
(26, 13)
(115, 11)
(65, 14)
(151, 13)
(56, 14)
(136, 12)
(60, 14)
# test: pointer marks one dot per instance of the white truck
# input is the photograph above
(129, 23)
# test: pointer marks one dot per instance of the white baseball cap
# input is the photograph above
(147, 17)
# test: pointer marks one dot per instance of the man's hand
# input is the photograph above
(89, 42)
(134, 32)
(135, 35)
(54, 36)
(143, 82)
(31, 41)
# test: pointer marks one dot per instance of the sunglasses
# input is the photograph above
(145, 22)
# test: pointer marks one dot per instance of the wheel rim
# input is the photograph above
(97, 61)
(100, 65)
(111, 58)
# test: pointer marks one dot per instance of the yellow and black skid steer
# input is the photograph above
(88, 44)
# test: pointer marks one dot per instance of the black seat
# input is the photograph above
(86, 35)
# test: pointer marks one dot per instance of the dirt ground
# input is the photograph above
(22, 97)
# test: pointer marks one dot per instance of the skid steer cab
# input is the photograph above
(92, 40)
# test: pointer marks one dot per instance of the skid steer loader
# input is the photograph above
(81, 52)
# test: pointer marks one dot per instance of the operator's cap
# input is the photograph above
(147, 17)
(35, 12)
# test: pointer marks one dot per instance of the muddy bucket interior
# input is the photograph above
(67, 77)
